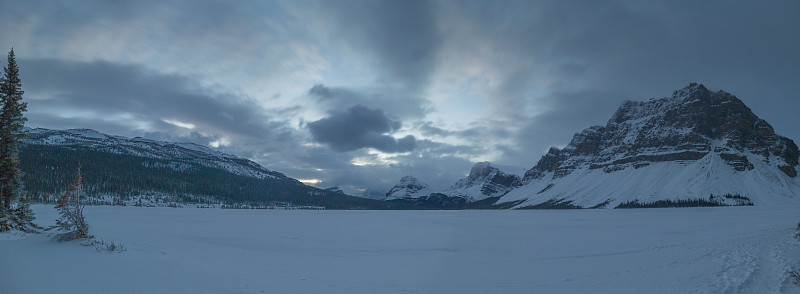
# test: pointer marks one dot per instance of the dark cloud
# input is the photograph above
(477, 131)
(360, 127)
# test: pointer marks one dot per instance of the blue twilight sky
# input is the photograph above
(358, 94)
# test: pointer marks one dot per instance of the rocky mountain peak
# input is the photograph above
(408, 187)
(488, 179)
(480, 171)
(692, 123)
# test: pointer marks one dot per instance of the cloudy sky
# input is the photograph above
(357, 94)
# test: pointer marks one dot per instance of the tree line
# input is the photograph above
(49, 169)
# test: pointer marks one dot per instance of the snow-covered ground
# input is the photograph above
(169, 250)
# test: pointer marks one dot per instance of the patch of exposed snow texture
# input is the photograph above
(688, 146)
(179, 154)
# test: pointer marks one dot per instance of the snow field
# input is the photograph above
(764, 185)
(688, 250)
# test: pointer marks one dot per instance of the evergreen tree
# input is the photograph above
(11, 135)
(22, 217)
(72, 222)
(5, 224)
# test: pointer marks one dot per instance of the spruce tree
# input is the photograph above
(11, 135)
(11, 123)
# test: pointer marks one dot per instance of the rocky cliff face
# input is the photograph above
(690, 145)
(691, 124)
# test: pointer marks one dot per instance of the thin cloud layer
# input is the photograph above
(402, 104)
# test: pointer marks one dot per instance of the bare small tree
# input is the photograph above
(72, 223)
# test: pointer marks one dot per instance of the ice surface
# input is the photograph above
(689, 250)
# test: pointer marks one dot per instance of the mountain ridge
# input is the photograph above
(117, 169)
(485, 180)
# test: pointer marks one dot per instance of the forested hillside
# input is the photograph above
(108, 172)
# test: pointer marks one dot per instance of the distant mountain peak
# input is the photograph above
(408, 187)
(484, 180)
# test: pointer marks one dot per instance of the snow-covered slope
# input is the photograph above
(688, 146)
(177, 153)
(373, 194)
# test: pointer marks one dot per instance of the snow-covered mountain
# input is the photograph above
(485, 180)
(117, 169)
(693, 145)
(178, 154)
(408, 187)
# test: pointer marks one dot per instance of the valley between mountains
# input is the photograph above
(695, 148)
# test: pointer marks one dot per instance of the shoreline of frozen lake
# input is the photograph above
(707, 250)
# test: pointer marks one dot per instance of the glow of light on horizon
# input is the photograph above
(360, 161)
(220, 142)
(179, 124)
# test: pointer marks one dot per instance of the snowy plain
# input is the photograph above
(189, 250)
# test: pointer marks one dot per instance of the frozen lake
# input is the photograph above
(695, 250)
